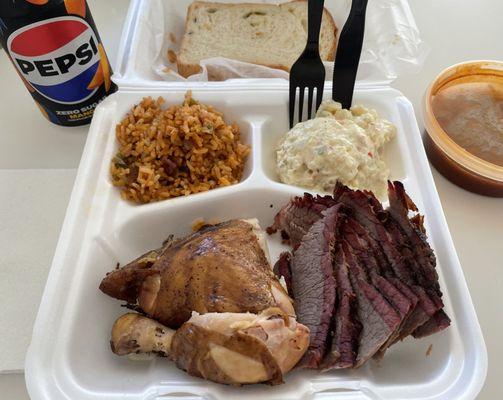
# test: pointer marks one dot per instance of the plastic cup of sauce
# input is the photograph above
(463, 117)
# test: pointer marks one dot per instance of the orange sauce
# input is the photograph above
(471, 113)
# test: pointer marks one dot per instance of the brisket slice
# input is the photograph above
(417, 314)
(364, 214)
(437, 323)
(411, 260)
(345, 327)
(426, 296)
(375, 256)
(313, 283)
(423, 312)
(398, 300)
(297, 217)
(400, 303)
(367, 259)
(413, 229)
(378, 318)
(400, 204)
(283, 269)
(368, 212)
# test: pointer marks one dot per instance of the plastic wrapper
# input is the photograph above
(392, 44)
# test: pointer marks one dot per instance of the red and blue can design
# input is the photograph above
(57, 52)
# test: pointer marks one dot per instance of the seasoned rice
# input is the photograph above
(184, 149)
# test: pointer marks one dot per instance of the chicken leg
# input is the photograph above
(229, 348)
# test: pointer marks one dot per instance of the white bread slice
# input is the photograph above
(265, 34)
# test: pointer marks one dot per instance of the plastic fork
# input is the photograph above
(348, 54)
(308, 72)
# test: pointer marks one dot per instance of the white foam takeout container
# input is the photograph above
(392, 45)
(69, 356)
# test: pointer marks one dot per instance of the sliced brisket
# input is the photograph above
(412, 261)
(400, 204)
(424, 309)
(313, 283)
(364, 214)
(297, 217)
(366, 258)
(413, 230)
(398, 294)
(283, 269)
(378, 318)
(362, 277)
(437, 323)
(346, 327)
(368, 212)
(416, 317)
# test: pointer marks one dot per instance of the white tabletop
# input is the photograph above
(36, 155)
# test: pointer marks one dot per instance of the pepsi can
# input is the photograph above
(56, 49)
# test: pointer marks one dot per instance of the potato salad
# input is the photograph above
(338, 145)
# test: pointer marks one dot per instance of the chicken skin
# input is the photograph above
(220, 268)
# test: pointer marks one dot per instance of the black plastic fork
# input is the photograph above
(308, 71)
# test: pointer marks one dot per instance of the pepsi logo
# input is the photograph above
(58, 57)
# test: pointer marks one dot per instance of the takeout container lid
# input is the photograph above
(392, 46)
(453, 161)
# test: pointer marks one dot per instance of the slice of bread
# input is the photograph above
(266, 34)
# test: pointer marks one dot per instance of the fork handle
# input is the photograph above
(314, 14)
(348, 54)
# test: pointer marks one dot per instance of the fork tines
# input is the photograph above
(310, 94)
(308, 72)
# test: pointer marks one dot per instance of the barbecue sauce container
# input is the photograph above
(463, 118)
